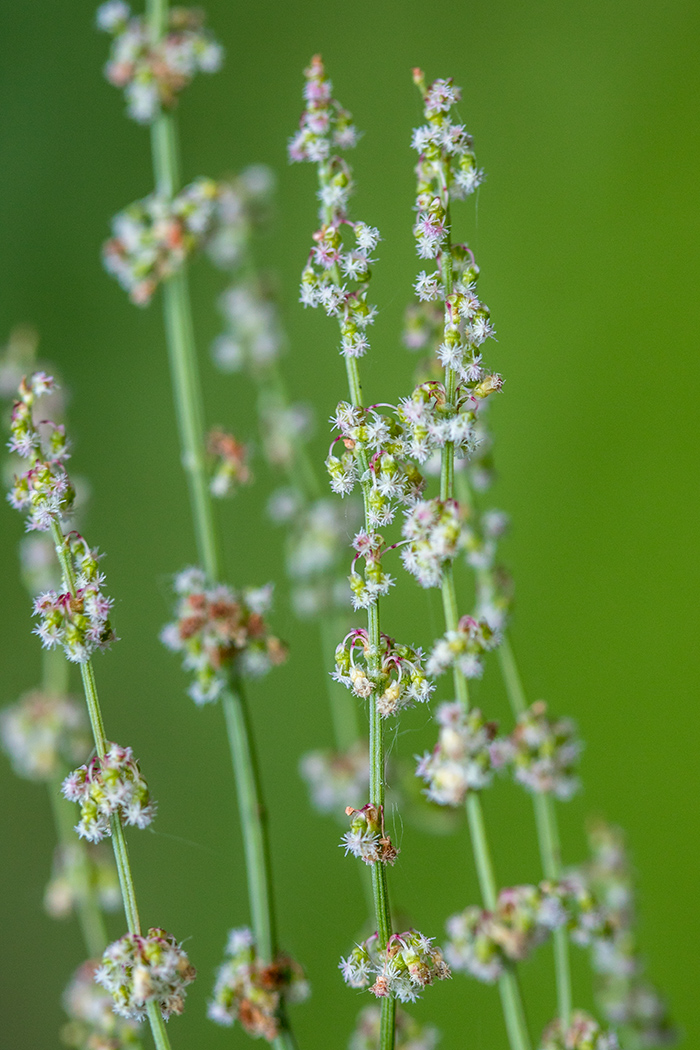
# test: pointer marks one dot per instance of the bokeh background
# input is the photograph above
(586, 118)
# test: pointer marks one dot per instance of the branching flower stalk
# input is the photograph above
(447, 169)
(158, 24)
(45, 729)
(457, 482)
(541, 751)
(78, 621)
(331, 213)
(390, 676)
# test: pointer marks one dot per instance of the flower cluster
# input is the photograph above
(254, 992)
(393, 480)
(463, 648)
(335, 776)
(78, 622)
(41, 732)
(107, 787)
(253, 337)
(572, 898)
(138, 970)
(445, 151)
(447, 171)
(44, 490)
(394, 675)
(324, 124)
(152, 238)
(402, 970)
(244, 206)
(231, 468)
(461, 760)
(428, 422)
(484, 943)
(583, 1033)
(78, 870)
(626, 997)
(332, 261)
(93, 1024)
(217, 629)
(153, 72)
(337, 274)
(410, 1034)
(284, 427)
(544, 752)
(433, 529)
(367, 587)
(367, 839)
(494, 590)
(316, 536)
(481, 535)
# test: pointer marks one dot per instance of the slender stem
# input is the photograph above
(188, 398)
(511, 999)
(253, 818)
(55, 679)
(380, 891)
(187, 390)
(155, 1019)
(511, 676)
(126, 882)
(550, 851)
(387, 1024)
(547, 838)
(87, 906)
(545, 811)
(121, 855)
(513, 1011)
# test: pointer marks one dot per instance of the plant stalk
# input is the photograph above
(377, 758)
(121, 855)
(545, 811)
(253, 822)
(511, 999)
(187, 391)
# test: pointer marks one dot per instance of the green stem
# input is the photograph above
(188, 399)
(511, 677)
(55, 680)
(508, 986)
(550, 851)
(253, 818)
(545, 812)
(155, 1019)
(121, 855)
(387, 1024)
(87, 906)
(511, 999)
(512, 1004)
(380, 890)
(548, 840)
(187, 391)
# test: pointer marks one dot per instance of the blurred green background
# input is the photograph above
(586, 119)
